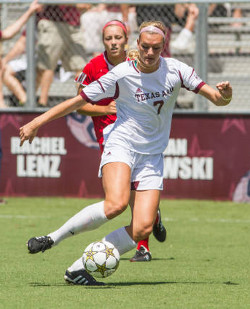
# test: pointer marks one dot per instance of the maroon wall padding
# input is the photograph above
(206, 157)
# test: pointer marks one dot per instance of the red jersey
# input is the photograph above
(96, 68)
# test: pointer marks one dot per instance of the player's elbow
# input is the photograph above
(79, 102)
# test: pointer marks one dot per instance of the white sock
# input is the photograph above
(121, 240)
(89, 218)
(77, 265)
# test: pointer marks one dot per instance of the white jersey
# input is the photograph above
(145, 102)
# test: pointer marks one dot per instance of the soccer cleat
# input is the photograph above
(37, 244)
(81, 277)
(159, 230)
(141, 255)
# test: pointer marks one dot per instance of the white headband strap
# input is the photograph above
(153, 29)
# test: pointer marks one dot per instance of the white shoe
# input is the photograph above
(183, 42)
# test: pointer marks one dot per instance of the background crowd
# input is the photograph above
(67, 36)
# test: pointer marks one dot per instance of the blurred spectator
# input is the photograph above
(237, 13)
(225, 10)
(184, 40)
(11, 67)
(59, 38)
(10, 32)
(218, 10)
(188, 14)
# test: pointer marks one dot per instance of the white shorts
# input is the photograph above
(19, 64)
(146, 170)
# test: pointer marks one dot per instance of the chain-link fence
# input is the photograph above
(214, 38)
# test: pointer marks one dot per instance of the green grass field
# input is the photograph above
(203, 264)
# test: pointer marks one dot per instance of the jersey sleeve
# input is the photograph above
(104, 87)
(86, 76)
(189, 78)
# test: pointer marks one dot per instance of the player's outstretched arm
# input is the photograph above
(219, 97)
(29, 130)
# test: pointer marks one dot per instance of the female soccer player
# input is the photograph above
(103, 115)
(145, 94)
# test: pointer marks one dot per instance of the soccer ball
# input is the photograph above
(101, 259)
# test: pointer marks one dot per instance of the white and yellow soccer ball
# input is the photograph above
(101, 259)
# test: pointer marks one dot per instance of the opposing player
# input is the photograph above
(145, 94)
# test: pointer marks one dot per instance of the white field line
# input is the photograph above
(219, 220)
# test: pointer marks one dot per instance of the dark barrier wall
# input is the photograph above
(206, 158)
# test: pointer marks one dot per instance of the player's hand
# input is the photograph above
(225, 90)
(27, 132)
(111, 108)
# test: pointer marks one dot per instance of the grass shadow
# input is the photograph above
(40, 284)
(154, 259)
(169, 282)
(121, 284)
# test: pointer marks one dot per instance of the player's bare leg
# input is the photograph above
(123, 239)
(146, 203)
(116, 185)
(114, 191)
(142, 253)
(92, 216)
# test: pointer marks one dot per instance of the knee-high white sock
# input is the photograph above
(89, 218)
(77, 265)
(121, 240)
